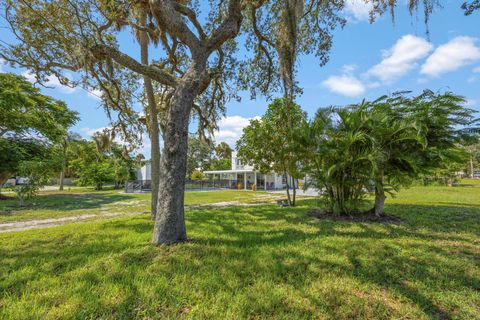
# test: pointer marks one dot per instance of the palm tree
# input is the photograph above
(66, 140)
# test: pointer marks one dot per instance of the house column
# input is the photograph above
(265, 182)
(255, 179)
(274, 180)
(245, 180)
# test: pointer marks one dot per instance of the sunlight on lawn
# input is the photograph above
(253, 262)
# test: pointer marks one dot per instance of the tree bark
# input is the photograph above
(379, 201)
(170, 220)
(153, 119)
(471, 167)
(294, 192)
(62, 176)
(288, 190)
(64, 164)
(379, 207)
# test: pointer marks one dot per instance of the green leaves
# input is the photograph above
(24, 111)
(384, 144)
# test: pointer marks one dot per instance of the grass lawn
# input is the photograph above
(79, 201)
(258, 262)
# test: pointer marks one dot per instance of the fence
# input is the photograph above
(134, 186)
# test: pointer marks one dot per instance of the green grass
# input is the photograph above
(56, 204)
(254, 262)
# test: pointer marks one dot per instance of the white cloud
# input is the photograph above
(346, 84)
(52, 81)
(451, 56)
(230, 129)
(472, 79)
(476, 70)
(471, 103)
(358, 10)
(401, 58)
(89, 132)
(95, 94)
(2, 62)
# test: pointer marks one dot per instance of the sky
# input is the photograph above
(366, 61)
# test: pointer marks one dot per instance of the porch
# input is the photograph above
(245, 179)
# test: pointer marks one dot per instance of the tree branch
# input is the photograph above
(103, 51)
(170, 20)
(228, 28)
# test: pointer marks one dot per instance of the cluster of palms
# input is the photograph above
(382, 145)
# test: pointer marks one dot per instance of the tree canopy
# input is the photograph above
(24, 111)
(195, 62)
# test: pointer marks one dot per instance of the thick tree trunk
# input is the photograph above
(153, 121)
(170, 220)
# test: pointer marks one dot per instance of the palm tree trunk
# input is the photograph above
(379, 207)
(153, 119)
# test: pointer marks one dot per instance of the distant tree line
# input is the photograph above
(35, 143)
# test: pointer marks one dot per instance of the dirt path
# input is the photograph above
(53, 222)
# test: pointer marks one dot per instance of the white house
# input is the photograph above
(245, 176)
(240, 176)
(145, 172)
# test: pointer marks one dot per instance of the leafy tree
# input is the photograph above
(336, 154)
(14, 151)
(386, 144)
(200, 154)
(63, 146)
(29, 121)
(397, 140)
(220, 164)
(90, 166)
(269, 144)
(37, 172)
(24, 111)
(196, 62)
(473, 151)
(223, 151)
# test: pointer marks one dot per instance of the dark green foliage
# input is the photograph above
(384, 145)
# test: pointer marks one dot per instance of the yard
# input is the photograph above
(242, 262)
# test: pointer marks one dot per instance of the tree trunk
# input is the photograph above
(471, 167)
(288, 190)
(62, 176)
(379, 201)
(64, 164)
(170, 220)
(294, 192)
(153, 119)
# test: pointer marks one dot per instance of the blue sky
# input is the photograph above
(366, 61)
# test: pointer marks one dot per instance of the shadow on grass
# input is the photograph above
(67, 201)
(245, 246)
